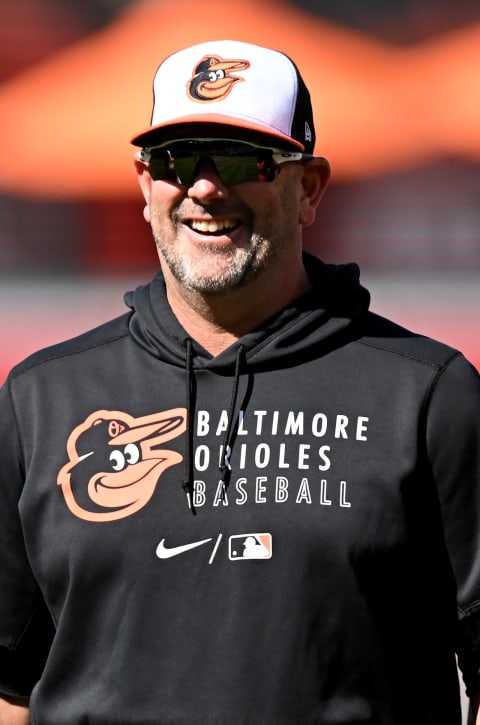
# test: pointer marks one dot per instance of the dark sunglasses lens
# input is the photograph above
(162, 168)
(236, 170)
(232, 169)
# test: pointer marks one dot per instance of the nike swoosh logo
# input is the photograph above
(166, 553)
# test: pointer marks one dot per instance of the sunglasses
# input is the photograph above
(234, 163)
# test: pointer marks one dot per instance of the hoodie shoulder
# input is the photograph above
(385, 334)
(103, 334)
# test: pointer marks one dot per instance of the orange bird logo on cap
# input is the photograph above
(115, 462)
(213, 79)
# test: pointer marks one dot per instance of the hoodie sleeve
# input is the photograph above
(25, 625)
(453, 440)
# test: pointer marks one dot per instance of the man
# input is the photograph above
(250, 499)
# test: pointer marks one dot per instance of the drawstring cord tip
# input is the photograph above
(188, 492)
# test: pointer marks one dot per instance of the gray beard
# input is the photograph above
(244, 268)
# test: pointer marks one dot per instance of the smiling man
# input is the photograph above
(249, 500)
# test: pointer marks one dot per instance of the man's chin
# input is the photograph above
(211, 286)
(212, 277)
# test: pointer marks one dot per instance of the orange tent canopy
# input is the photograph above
(66, 124)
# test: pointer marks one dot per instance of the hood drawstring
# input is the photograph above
(224, 466)
(187, 483)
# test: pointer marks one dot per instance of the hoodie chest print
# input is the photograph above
(288, 450)
(115, 460)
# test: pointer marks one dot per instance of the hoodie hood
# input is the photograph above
(318, 321)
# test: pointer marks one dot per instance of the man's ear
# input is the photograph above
(316, 174)
(145, 182)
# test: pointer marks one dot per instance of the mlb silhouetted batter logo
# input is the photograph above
(115, 462)
(250, 546)
(213, 78)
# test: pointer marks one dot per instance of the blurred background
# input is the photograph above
(396, 91)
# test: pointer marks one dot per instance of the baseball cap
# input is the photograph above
(229, 89)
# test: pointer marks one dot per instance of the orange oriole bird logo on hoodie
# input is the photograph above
(115, 462)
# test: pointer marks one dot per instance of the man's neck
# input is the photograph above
(216, 321)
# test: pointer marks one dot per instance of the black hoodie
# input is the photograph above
(323, 566)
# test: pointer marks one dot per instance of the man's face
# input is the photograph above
(213, 237)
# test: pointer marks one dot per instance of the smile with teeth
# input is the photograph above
(212, 226)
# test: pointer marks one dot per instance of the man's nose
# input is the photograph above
(207, 183)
